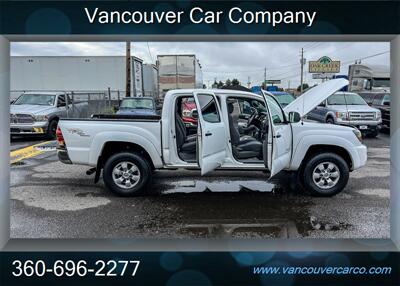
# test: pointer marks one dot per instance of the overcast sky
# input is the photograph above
(223, 60)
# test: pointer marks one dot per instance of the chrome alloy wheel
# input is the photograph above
(326, 175)
(126, 175)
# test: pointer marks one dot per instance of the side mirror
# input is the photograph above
(195, 113)
(322, 104)
(294, 117)
(12, 101)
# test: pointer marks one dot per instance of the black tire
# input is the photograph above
(311, 165)
(51, 129)
(374, 134)
(144, 172)
(330, 120)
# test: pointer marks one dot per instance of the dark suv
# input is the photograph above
(381, 101)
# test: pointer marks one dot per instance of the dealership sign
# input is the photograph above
(324, 65)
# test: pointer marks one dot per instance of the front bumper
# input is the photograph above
(366, 127)
(36, 128)
(360, 157)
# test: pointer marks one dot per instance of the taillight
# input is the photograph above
(60, 137)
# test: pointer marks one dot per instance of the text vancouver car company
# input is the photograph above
(198, 16)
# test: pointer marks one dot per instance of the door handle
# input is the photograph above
(278, 136)
(208, 133)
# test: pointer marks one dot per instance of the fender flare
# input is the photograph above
(102, 138)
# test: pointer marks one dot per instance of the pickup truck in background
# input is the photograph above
(381, 101)
(137, 106)
(38, 113)
(128, 149)
(347, 108)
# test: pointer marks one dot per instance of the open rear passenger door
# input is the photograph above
(211, 132)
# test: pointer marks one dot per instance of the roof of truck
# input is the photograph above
(44, 92)
(216, 91)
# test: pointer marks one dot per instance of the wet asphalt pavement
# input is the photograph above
(53, 200)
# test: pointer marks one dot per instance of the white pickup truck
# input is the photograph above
(237, 131)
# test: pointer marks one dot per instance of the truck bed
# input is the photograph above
(85, 138)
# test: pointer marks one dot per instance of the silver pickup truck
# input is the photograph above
(347, 108)
(38, 113)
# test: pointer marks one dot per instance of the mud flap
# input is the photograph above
(98, 170)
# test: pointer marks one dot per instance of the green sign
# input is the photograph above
(324, 65)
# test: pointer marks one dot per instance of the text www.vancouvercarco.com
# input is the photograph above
(327, 270)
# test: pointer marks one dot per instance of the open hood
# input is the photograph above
(314, 96)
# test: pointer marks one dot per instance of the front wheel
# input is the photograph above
(325, 174)
(127, 174)
(51, 129)
(330, 120)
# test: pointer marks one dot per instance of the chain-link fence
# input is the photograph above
(82, 104)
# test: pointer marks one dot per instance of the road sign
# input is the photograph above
(322, 75)
(273, 81)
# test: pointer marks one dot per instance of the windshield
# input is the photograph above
(284, 98)
(381, 82)
(35, 99)
(137, 103)
(346, 99)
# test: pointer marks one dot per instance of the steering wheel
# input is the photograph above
(252, 116)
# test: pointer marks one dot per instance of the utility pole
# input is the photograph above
(128, 69)
(301, 67)
(248, 82)
(265, 77)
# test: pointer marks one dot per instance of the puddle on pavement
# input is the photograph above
(19, 163)
(193, 186)
(234, 229)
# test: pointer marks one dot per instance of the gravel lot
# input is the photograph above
(53, 200)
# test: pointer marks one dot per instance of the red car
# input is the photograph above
(188, 106)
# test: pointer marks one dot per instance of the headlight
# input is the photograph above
(342, 115)
(378, 115)
(40, 118)
(358, 134)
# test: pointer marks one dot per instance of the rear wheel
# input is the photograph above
(127, 174)
(325, 174)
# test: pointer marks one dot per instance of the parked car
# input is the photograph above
(346, 108)
(283, 97)
(137, 106)
(38, 113)
(127, 151)
(381, 101)
(189, 114)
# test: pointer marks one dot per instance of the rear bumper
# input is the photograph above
(63, 156)
(36, 128)
(360, 157)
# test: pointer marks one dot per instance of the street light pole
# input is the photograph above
(301, 68)
(128, 69)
